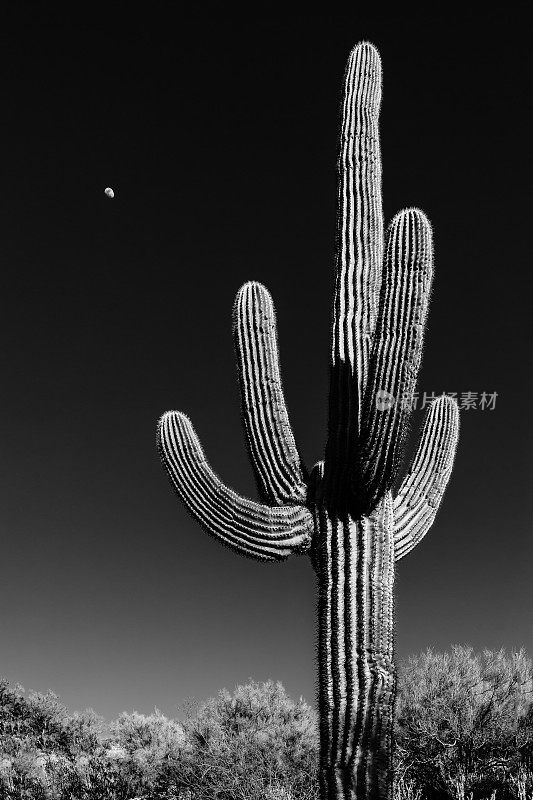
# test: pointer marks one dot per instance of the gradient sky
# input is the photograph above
(218, 134)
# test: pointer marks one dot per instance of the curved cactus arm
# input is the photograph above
(359, 258)
(421, 491)
(251, 528)
(275, 459)
(397, 353)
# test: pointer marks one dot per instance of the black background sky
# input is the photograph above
(218, 132)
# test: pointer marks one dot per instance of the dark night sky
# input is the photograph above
(218, 134)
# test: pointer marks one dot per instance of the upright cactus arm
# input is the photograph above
(421, 491)
(280, 476)
(259, 531)
(358, 263)
(396, 355)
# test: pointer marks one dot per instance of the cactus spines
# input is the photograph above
(342, 513)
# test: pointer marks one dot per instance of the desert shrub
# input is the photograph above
(146, 750)
(254, 743)
(40, 722)
(463, 720)
(40, 742)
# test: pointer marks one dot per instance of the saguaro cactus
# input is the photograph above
(342, 514)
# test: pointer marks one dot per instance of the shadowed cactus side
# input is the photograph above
(342, 514)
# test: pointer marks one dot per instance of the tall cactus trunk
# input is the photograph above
(354, 562)
(342, 513)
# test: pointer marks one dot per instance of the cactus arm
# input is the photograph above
(253, 529)
(396, 355)
(358, 260)
(421, 491)
(275, 459)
